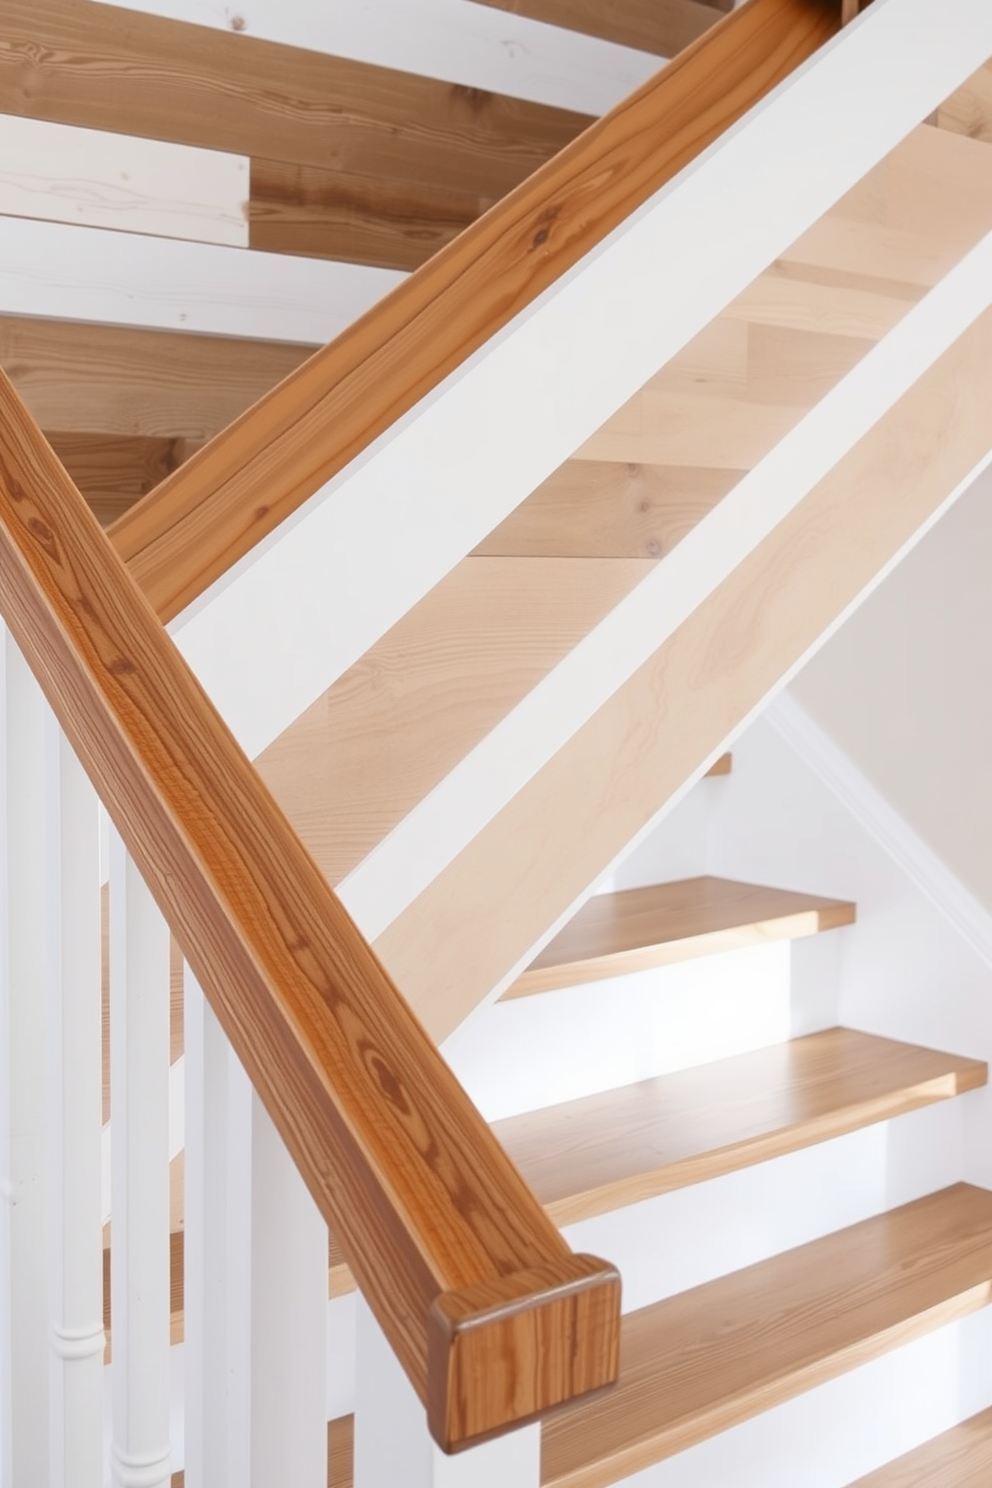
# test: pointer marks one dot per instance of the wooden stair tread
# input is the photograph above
(961, 1458)
(719, 1354)
(603, 1151)
(595, 1154)
(654, 926)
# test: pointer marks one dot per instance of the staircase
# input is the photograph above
(610, 525)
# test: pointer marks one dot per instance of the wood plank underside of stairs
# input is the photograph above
(709, 1358)
(961, 1458)
(604, 1151)
(636, 928)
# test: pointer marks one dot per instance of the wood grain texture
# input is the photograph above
(603, 509)
(73, 62)
(303, 209)
(719, 1354)
(589, 1156)
(422, 1198)
(341, 1452)
(559, 833)
(961, 1458)
(113, 471)
(613, 934)
(969, 110)
(227, 498)
(111, 381)
(367, 751)
(660, 26)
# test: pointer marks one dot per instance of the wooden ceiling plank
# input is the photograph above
(75, 62)
(104, 380)
(97, 179)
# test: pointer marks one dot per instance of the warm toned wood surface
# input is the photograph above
(341, 1452)
(367, 751)
(603, 1151)
(961, 1458)
(599, 509)
(661, 26)
(328, 214)
(969, 110)
(723, 766)
(115, 381)
(423, 1200)
(78, 63)
(655, 926)
(194, 526)
(555, 838)
(719, 1354)
(588, 1156)
(114, 471)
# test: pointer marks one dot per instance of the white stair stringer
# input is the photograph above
(287, 620)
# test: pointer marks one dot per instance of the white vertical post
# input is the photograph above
(289, 1320)
(218, 1253)
(75, 1100)
(23, 1083)
(139, 1227)
(393, 1445)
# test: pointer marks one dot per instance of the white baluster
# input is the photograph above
(218, 1253)
(75, 1101)
(24, 1438)
(289, 1320)
(393, 1445)
(139, 1231)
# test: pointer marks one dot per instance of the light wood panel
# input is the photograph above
(441, 1232)
(229, 497)
(719, 1354)
(302, 209)
(105, 380)
(969, 110)
(564, 827)
(588, 1156)
(961, 1458)
(114, 471)
(73, 62)
(341, 1452)
(660, 26)
(614, 934)
(386, 732)
(604, 509)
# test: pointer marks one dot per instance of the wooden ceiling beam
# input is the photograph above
(660, 26)
(101, 67)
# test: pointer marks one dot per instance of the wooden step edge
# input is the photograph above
(555, 969)
(949, 1076)
(709, 1359)
(959, 1458)
(723, 766)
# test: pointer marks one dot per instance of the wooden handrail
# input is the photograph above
(492, 1316)
(242, 485)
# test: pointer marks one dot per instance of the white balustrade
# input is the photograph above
(139, 1103)
(74, 1120)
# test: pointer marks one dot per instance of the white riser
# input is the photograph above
(837, 1433)
(533, 1052)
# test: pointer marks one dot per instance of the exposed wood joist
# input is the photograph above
(75, 62)
(103, 380)
(660, 26)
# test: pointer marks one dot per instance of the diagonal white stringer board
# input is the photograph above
(273, 634)
(454, 41)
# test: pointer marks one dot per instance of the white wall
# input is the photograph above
(905, 689)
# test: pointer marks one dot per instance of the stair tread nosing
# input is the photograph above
(601, 1152)
(706, 1359)
(960, 1458)
(663, 923)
